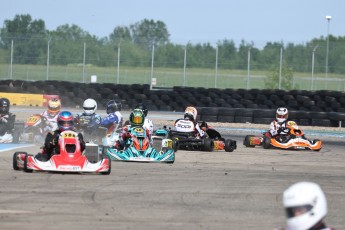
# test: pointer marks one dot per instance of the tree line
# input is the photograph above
(135, 43)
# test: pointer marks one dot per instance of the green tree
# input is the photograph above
(272, 80)
(28, 36)
(120, 33)
(147, 33)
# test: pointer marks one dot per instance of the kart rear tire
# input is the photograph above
(230, 145)
(207, 145)
(266, 142)
(246, 141)
(26, 164)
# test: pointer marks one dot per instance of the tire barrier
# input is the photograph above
(319, 108)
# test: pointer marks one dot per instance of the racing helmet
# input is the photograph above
(190, 113)
(90, 106)
(305, 205)
(137, 117)
(282, 114)
(143, 108)
(4, 105)
(65, 121)
(113, 106)
(54, 106)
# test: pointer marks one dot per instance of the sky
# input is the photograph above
(198, 21)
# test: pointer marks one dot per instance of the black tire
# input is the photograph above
(267, 142)
(175, 145)
(230, 145)
(207, 145)
(246, 141)
(15, 166)
(26, 164)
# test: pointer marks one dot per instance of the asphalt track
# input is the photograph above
(201, 190)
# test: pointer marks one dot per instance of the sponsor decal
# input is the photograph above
(69, 168)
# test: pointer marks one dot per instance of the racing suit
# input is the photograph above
(112, 120)
(280, 131)
(186, 125)
(88, 124)
(7, 123)
(51, 122)
(51, 144)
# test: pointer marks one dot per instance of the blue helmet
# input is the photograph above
(65, 121)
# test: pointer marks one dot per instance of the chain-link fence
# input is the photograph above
(150, 70)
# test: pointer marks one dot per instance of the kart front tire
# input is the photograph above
(207, 145)
(15, 166)
(230, 145)
(26, 164)
(267, 142)
(246, 141)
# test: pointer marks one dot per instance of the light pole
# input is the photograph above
(248, 69)
(216, 68)
(48, 46)
(328, 18)
(312, 67)
(184, 65)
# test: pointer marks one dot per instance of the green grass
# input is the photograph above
(165, 77)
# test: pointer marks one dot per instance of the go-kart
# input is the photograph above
(69, 160)
(189, 141)
(33, 130)
(140, 149)
(295, 140)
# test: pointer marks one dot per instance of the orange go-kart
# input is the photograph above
(295, 140)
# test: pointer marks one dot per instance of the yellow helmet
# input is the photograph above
(54, 106)
(190, 113)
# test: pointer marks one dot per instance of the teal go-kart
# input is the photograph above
(139, 148)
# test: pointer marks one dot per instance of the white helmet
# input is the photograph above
(190, 113)
(305, 205)
(282, 114)
(90, 106)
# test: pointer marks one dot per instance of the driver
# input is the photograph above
(305, 206)
(65, 121)
(148, 123)
(136, 119)
(278, 125)
(114, 116)
(88, 119)
(7, 120)
(51, 114)
(189, 124)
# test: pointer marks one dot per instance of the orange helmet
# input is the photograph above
(54, 106)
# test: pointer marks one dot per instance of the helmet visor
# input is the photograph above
(298, 210)
(66, 124)
(137, 120)
(282, 116)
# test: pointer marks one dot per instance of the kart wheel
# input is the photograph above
(15, 165)
(207, 145)
(246, 141)
(230, 145)
(109, 164)
(26, 164)
(267, 142)
(175, 145)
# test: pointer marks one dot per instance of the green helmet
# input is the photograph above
(137, 117)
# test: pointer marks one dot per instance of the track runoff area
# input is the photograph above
(201, 190)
